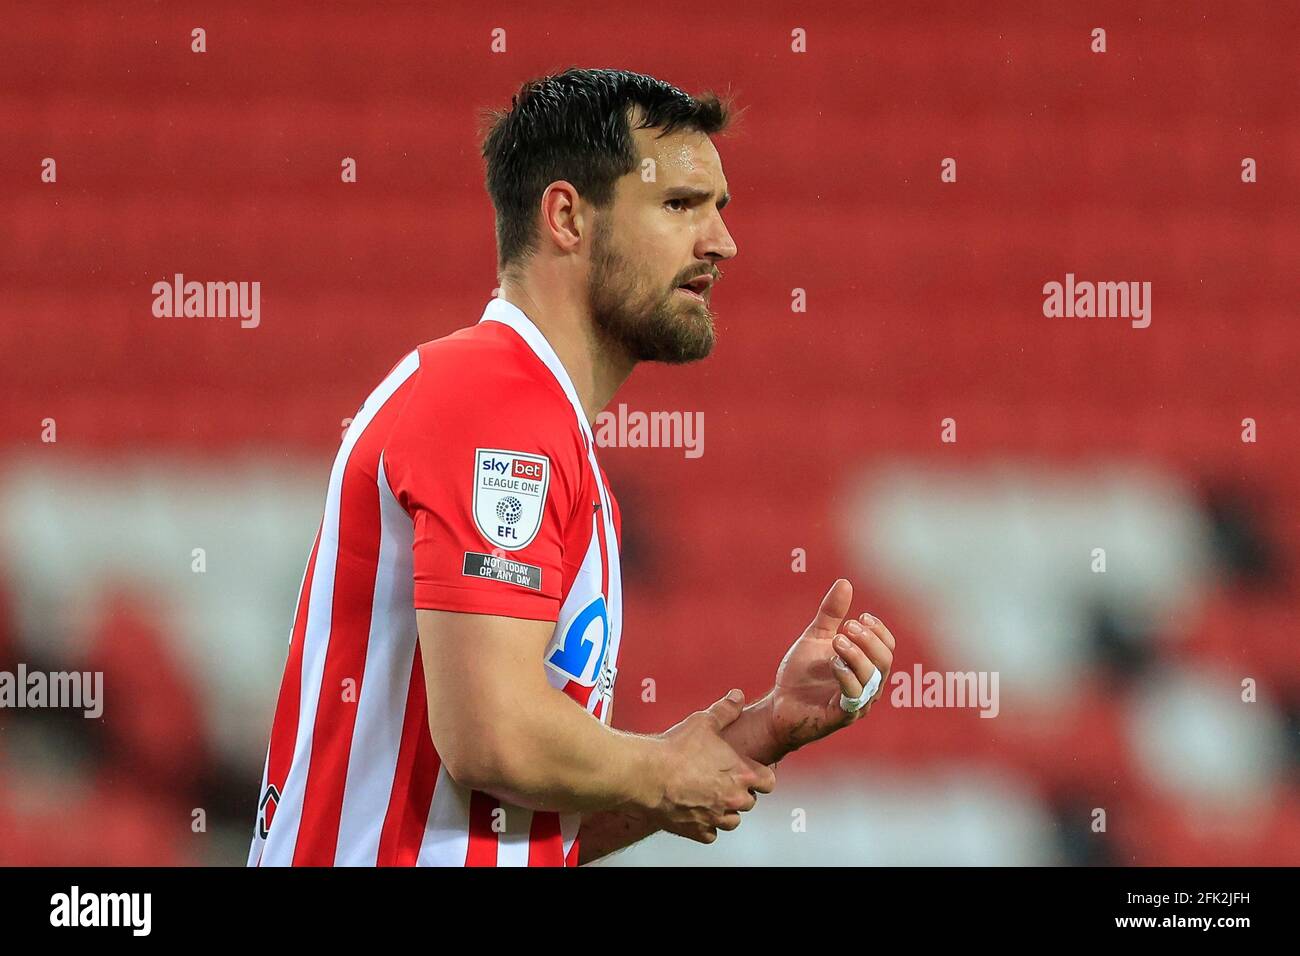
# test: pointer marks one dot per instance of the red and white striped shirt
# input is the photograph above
(468, 481)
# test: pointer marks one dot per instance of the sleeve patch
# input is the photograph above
(509, 496)
(496, 568)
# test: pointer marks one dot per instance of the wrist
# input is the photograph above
(771, 748)
(753, 733)
(650, 781)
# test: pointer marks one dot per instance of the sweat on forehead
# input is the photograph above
(688, 153)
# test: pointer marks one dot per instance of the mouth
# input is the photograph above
(697, 288)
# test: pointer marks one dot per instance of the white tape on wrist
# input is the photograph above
(851, 705)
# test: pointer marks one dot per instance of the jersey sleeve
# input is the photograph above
(490, 480)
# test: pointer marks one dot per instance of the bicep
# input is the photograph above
(476, 668)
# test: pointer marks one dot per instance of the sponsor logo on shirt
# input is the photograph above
(509, 496)
(578, 649)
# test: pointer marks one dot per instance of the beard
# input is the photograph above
(650, 324)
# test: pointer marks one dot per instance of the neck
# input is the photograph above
(597, 366)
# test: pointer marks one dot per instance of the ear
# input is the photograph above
(563, 220)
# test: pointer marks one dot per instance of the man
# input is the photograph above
(450, 681)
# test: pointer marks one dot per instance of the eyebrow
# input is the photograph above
(695, 192)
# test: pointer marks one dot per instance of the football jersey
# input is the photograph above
(468, 482)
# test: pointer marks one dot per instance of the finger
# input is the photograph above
(729, 821)
(834, 605)
(725, 710)
(878, 626)
(761, 777)
(875, 648)
(880, 656)
(742, 803)
(851, 667)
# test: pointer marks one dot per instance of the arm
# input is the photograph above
(500, 726)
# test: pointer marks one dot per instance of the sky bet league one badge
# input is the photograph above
(509, 496)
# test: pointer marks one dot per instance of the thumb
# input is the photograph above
(725, 710)
(834, 606)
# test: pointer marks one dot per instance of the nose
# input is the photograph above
(716, 243)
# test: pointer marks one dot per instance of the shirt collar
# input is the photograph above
(499, 310)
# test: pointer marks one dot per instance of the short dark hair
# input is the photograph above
(576, 126)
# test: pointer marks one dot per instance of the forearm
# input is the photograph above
(609, 831)
(606, 832)
(551, 755)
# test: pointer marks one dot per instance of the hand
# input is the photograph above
(707, 785)
(805, 703)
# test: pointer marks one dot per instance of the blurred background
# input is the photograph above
(161, 536)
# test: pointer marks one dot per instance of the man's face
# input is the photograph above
(663, 230)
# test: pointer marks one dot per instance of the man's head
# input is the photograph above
(610, 179)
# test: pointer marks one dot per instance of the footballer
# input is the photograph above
(451, 669)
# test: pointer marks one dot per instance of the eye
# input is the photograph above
(681, 204)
